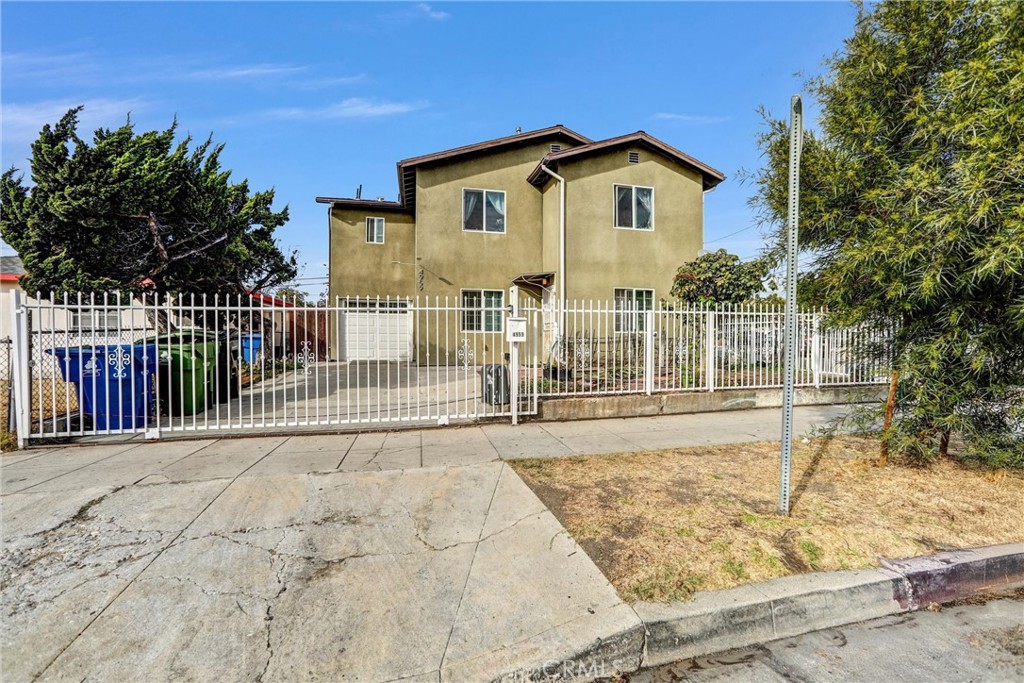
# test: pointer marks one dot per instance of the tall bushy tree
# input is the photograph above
(129, 211)
(719, 277)
(912, 210)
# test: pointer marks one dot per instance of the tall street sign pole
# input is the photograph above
(796, 134)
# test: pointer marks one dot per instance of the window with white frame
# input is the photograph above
(482, 310)
(634, 207)
(104, 322)
(483, 210)
(630, 305)
(374, 230)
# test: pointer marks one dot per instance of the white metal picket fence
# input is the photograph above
(616, 349)
(103, 364)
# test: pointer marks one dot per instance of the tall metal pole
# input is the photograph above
(796, 134)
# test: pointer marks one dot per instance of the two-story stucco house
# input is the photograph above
(561, 216)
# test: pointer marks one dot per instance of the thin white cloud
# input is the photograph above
(350, 108)
(404, 17)
(332, 81)
(42, 59)
(425, 10)
(246, 71)
(690, 118)
(21, 122)
(83, 67)
(55, 68)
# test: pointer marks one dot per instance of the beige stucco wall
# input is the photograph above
(362, 269)
(468, 259)
(600, 257)
(455, 259)
(552, 212)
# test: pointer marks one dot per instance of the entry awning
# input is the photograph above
(534, 280)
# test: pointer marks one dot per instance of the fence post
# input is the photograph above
(816, 350)
(709, 350)
(649, 352)
(513, 389)
(21, 376)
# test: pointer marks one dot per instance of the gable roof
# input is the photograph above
(710, 176)
(407, 167)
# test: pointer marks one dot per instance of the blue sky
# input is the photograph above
(317, 98)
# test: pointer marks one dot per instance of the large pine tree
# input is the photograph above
(912, 210)
(128, 211)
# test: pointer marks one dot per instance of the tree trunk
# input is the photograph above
(890, 408)
(944, 444)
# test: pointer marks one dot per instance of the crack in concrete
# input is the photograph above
(532, 515)
(81, 515)
(205, 590)
(30, 605)
(469, 572)
(133, 579)
(72, 544)
(268, 617)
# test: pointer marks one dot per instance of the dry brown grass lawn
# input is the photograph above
(661, 524)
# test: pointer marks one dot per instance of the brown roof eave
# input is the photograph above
(348, 203)
(711, 177)
(492, 144)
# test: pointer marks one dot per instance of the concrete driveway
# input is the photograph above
(457, 573)
(377, 557)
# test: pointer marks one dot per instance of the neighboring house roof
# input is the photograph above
(11, 268)
(270, 300)
(363, 204)
(711, 177)
(407, 167)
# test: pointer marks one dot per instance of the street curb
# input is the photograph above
(794, 605)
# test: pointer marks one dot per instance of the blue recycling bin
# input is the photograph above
(251, 344)
(114, 382)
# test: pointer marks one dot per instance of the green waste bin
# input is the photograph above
(187, 370)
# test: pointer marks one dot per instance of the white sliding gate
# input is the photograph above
(104, 364)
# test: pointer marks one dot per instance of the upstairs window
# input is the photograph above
(374, 230)
(482, 310)
(483, 210)
(634, 207)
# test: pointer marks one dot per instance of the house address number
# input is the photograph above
(515, 329)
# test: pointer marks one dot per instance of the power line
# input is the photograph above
(731, 234)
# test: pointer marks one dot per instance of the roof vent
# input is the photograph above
(634, 157)
(380, 199)
(556, 148)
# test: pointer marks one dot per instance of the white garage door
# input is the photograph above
(377, 333)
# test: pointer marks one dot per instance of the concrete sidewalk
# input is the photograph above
(381, 556)
(118, 464)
